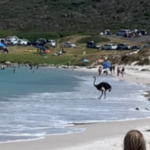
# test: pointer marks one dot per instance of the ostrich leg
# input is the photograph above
(101, 95)
(104, 94)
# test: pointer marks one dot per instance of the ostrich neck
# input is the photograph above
(94, 81)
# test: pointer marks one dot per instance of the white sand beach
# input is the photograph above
(98, 136)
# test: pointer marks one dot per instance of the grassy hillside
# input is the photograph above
(27, 54)
(76, 16)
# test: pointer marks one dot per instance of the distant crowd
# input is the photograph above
(3, 66)
(120, 71)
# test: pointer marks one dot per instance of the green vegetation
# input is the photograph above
(34, 58)
(27, 54)
(96, 39)
(34, 35)
(73, 16)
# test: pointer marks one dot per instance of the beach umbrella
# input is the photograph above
(85, 60)
(106, 65)
(2, 45)
(47, 51)
(7, 62)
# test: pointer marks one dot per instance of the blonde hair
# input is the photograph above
(134, 140)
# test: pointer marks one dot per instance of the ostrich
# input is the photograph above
(103, 87)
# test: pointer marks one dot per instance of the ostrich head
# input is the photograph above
(110, 90)
(94, 81)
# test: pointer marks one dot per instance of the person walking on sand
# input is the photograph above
(113, 68)
(134, 140)
(122, 71)
(100, 70)
(118, 71)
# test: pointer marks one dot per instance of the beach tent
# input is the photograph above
(8, 62)
(106, 65)
(85, 60)
(2, 45)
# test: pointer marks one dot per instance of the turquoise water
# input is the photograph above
(49, 100)
(24, 81)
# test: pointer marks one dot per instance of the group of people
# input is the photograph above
(60, 53)
(133, 35)
(3, 66)
(112, 70)
(120, 71)
(134, 140)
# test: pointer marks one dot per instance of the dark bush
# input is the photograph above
(96, 39)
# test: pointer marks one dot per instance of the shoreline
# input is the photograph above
(94, 133)
(97, 136)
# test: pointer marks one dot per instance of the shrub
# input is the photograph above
(96, 39)
(145, 61)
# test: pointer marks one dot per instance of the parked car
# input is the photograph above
(33, 43)
(142, 32)
(107, 32)
(11, 40)
(123, 32)
(52, 43)
(136, 47)
(40, 41)
(23, 42)
(92, 44)
(109, 46)
(146, 45)
(123, 47)
(69, 44)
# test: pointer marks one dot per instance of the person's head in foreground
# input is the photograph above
(134, 140)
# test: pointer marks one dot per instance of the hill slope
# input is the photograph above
(73, 15)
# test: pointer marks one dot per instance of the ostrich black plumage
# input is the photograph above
(103, 87)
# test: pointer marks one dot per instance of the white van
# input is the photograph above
(123, 32)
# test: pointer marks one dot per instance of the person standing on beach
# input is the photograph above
(113, 68)
(118, 71)
(68, 64)
(37, 67)
(122, 71)
(100, 70)
(134, 140)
